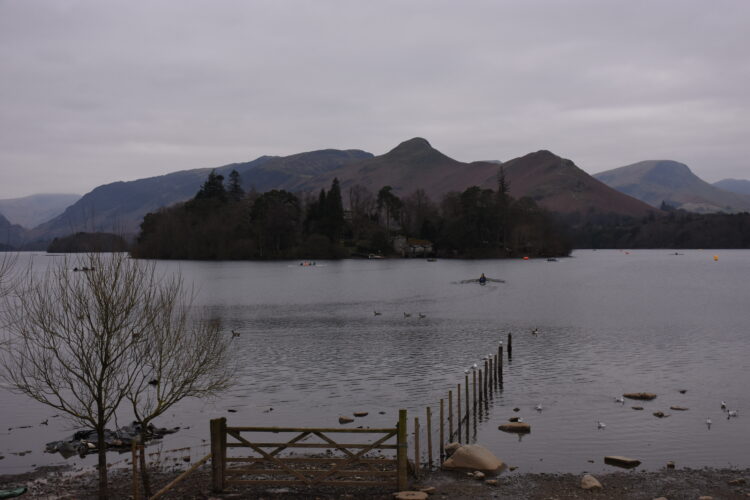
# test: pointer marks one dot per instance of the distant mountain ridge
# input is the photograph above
(119, 207)
(739, 186)
(553, 182)
(30, 211)
(657, 181)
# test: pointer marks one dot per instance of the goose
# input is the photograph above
(153, 382)
(235, 334)
(407, 315)
(600, 425)
(376, 313)
(422, 316)
(723, 405)
(46, 422)
(620, 400)
(535, 331)
(731, 413)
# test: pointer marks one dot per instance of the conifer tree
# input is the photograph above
(235, 192)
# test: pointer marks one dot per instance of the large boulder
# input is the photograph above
(589, 482)
(474, 457)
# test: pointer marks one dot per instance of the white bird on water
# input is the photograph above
(723, 405)
(539, 407)
(600, 425)
(731, 413)
(708, 422)
(620, 400)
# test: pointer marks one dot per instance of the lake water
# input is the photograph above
(609, 322)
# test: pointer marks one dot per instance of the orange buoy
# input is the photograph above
(525, 258)
(716, 258)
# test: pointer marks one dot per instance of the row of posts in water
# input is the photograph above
(479, 385)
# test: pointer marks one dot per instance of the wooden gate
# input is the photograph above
(353, 465)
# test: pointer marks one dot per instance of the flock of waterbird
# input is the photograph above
(406, 314)
(729, 413)
(620, 399)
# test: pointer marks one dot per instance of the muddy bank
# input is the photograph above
(63, 483)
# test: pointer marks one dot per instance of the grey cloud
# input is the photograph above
(94, 92)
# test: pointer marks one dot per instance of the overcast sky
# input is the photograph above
(96, 91)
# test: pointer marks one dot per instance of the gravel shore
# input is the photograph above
(60, 483)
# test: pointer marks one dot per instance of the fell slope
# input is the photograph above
(657, 181)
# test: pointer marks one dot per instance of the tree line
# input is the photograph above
(222, 221)
(674, 229)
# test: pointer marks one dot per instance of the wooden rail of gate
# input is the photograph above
(347, 470)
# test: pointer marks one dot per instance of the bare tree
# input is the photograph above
(183, 356)
(76, 340)
(7, 263)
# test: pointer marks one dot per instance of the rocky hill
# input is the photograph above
(658, 181)
(560, 186)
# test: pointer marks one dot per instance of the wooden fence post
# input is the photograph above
(510, 345)
(416, 447)
(474, 388)
(218, 453)
(486, 377)
(466, 393)
(450, 415)
(500, 363)
(442, 431)
(429, 437)
(401, 450)
(458, 411)
(480, 387)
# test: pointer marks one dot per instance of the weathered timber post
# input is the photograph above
(218, 453)
(486, 377)
(468, 411)
(510, 345)
(450, 415)
(474, 388)
(458, 411)
(429, 437)
(416, 447)
(466, 393)
(480, 387)
(442, 431)
(401, 450)
(491, 367)
(500, 363)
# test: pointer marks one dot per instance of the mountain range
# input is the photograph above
(30, 211)
(553, 182)
(665, 181)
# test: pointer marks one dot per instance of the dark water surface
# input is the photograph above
(609, 322)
